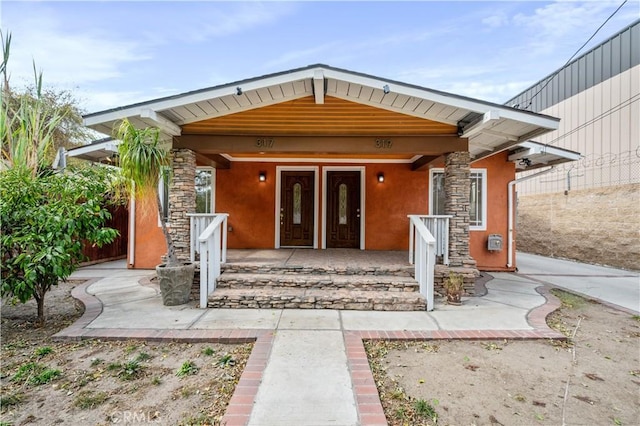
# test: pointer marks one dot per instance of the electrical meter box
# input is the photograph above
(494, 243)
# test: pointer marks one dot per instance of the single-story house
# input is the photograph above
(321, 157)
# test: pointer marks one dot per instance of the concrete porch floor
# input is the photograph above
(319, 258)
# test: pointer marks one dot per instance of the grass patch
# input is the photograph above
(127, 371)
(10, 400)
(130, 370)
(143, 356)
(569, 300)
(426, 409)
(45, 350)
(96, 361)
(188, 368)
(35, 374)
(208, 351)
(227, 360)
(87, 400)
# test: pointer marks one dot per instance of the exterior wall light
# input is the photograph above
(262, 176)
(381, 177)
(386, 89)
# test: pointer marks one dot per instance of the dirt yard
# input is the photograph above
(99, 383)
(592, 379)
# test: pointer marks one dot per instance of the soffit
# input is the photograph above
(304, 117)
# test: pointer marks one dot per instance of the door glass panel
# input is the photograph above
(297, 204)
(342, 209)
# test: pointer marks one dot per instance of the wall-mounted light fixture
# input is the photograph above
(381, 177)
(262, 176)
(238, 90)
(525, 162)
(386, 89)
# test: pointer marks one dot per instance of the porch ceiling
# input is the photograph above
(322, 100)
(304, 117)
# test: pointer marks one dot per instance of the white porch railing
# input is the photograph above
(211, 244)
(438, 226)
(423, 246)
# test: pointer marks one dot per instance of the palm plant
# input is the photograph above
(144, 162)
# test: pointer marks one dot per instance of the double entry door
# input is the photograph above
(343, 209)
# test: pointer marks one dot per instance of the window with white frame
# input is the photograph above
(477, 197)
(163, 191)
(205, 191)
(205, 188)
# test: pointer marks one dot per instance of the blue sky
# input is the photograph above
(115, 53)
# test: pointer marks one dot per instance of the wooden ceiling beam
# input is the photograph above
(212, 160)
(423, 162)
(423, 145)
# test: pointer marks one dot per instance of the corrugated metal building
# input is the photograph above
(588, 210)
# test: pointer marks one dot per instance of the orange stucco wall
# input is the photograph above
(249, 202)
(499, 173)
(150, 244)
(251, 208)
(387, 204)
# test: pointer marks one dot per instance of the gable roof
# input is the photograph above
(489, 127)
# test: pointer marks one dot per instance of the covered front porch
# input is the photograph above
(334, 278)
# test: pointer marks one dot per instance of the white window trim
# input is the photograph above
(485, 196)
(213, 185)
(163, 201)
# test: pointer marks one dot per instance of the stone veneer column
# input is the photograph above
(457, 186)
(182, 200)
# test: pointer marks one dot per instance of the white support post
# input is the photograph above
(224, 240)
(204, 279)
(430, 272)
(411, 232)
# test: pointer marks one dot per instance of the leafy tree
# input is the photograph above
(44, 215)
(44, 219)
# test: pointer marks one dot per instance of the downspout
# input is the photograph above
(511, 211)
(132, 230)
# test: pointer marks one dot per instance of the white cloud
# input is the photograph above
(497, 20)
(563, 23)
(66, 57)
(224, 19)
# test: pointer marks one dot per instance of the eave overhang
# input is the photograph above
(489, 127)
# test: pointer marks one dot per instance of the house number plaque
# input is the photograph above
(383, 143)
(265, 142)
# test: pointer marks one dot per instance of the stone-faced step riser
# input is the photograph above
(252, 303)
(229, 281)
(325, 270)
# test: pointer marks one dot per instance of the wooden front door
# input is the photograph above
(296, 209)
(343, 209)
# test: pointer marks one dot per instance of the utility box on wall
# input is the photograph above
(494, 243)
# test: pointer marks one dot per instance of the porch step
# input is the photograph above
(312, 298)
(252, 268)
(390, 283)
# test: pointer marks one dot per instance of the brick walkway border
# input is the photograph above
(370, 411)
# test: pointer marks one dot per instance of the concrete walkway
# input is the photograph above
(308, 367)
(615, 287)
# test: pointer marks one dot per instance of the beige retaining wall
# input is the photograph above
(599, 225)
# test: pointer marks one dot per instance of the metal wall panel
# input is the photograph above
(610, 58)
